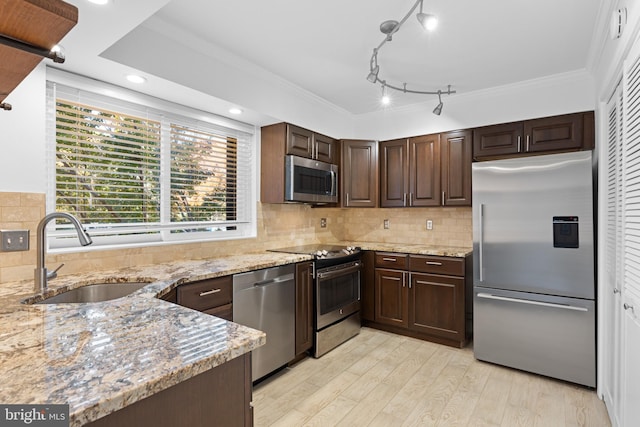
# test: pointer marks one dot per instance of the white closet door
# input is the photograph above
(610, 290)
(630, 295)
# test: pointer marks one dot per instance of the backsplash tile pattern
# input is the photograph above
(451, 226)
(20, 211)
(277, 226)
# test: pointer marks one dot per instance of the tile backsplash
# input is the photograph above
(277, 226)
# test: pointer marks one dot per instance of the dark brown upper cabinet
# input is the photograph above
(41, 23)
(394, 173)
(455, 161)
(568, 132)
(305, 143)
(281, 139)
(359, 174)
(428, 170)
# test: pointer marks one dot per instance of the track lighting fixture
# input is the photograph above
(429, 22)
(438, 108)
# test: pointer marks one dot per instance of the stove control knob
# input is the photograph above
(325, 252)
(319, 254)
(346, 251)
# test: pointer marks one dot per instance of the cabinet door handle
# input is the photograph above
(628, 307)
(433, 263)
(526, 148)
(443, 198)
(212, 291)
(403, 280)
(389, 259)
(519, 143)
(409, 282)
(404, 199)
(410, 199)
(347, 199)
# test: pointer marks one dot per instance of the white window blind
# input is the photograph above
(137, 174)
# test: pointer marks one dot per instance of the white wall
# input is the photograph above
(22, 136)
(559, 94)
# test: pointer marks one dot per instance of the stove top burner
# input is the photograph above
(320, 251)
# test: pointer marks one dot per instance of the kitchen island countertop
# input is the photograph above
(101, 357)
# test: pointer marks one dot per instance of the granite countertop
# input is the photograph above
(101, 357)
(415, 249)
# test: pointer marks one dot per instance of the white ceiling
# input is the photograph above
(323, 47)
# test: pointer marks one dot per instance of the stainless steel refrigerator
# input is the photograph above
(534, 274)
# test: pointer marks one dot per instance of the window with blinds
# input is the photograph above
(135, 174)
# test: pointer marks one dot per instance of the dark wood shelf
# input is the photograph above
(41, 23)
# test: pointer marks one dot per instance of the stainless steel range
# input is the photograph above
(337, 271)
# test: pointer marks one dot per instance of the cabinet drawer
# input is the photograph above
(206, 294)
(437, 264)
(391, 260)
(224, 312)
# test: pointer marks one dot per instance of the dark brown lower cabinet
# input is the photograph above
(426, 300)
(304, 306)
(218, 397)
(391, 298)
(437, 305)
(211, 296)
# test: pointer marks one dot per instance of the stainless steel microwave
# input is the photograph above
(310, 181)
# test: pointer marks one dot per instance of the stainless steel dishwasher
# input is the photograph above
(265, 300)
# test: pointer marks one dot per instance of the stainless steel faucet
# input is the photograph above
(41, 274)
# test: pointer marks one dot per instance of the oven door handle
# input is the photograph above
(340, 272)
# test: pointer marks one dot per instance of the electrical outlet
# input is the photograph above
(429, 224)
(14, 240)
(386, 224)
(323, 222)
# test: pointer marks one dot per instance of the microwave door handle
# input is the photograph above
(333, 183)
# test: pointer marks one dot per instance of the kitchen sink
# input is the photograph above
(95, 293)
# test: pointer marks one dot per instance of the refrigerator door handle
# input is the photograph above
(480, 239)
(524, 301)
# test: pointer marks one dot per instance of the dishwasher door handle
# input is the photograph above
(279, 279)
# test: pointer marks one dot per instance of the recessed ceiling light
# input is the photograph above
(100, 2)
(134, 78)
(235, 110)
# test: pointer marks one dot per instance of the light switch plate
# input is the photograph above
(429, 224)
(386, 224)
(323, 222)
(14, 240)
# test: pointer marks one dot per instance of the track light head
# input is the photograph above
(385, 100)
(429, 22)
(373, 75)
(438, 110)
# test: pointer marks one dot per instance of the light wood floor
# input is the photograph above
(382, 379)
